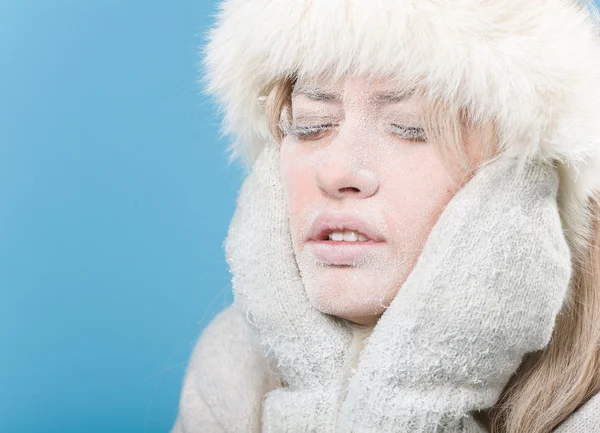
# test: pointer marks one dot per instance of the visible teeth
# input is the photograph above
(347, 236)
(336, 236)
(350, 236)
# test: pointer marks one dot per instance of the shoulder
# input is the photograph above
(586, 419)
(229, 346)
(226, 378)
(229, 326)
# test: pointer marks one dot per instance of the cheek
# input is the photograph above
(298, 177)
(417, 190)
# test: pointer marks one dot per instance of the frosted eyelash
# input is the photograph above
(304, 131)
(409, 132)
(414, 133)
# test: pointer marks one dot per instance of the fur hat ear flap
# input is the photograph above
(532, 66)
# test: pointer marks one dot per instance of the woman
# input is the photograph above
(417, 245)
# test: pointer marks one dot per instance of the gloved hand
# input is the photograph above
(486, 290)
(310, 347)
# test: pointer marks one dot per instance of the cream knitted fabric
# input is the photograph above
(226, 379)
(487, 287)
(310, 347)
(586, 419)
(486, 290)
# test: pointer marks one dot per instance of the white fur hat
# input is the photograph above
(533, 66)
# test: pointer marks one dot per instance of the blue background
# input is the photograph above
(115, 197)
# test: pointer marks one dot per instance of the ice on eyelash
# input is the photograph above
(408, 132)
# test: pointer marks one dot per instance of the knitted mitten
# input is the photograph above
(310, 347)
(486, 289)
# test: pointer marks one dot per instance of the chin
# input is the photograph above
(342, 292)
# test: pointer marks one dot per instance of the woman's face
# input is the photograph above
(364, 191)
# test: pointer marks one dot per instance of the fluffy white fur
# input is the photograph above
(533, 66)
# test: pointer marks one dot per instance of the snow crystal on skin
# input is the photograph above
(413, 188)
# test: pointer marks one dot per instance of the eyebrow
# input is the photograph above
(316, 94)
(382, 98)
(391, 97)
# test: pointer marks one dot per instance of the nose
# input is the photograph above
(339, 179)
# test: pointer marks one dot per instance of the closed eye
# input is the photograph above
(307, 132)
(414, 133)
(310, 132)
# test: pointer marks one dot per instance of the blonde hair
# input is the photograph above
(550, 384)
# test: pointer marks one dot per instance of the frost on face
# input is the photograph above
(363, 189)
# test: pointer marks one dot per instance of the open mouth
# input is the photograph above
(345, 236)
(342, 238)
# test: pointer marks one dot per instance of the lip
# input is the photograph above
(339, 252)
(330, 221)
